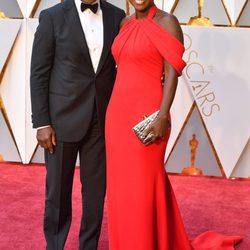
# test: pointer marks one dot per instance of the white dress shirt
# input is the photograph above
(92, 25)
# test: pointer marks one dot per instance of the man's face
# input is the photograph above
(89, 1)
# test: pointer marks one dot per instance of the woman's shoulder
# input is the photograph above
(125, 20)
(166, 19)
(170, 23)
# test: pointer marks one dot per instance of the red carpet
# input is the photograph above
(205, 204)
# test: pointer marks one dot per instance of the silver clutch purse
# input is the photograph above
(142, 126)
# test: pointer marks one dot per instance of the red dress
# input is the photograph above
(142, 210)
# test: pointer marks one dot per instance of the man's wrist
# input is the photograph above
(46, 126)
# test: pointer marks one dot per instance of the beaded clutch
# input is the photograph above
(142, 126)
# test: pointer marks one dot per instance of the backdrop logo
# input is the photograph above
(199, 80)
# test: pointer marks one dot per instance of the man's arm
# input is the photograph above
(123, 17)
(41, 64)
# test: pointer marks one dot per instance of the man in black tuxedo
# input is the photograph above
(72, 76)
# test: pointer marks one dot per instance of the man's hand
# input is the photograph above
(46, 138)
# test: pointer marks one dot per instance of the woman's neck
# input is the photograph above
(143, 14)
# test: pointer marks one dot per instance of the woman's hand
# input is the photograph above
(159, 128)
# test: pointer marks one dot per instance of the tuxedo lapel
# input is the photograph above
(108, 32)
(76, 31)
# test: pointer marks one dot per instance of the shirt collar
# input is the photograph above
(78, 5)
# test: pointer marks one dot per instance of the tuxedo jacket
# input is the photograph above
(64, 87)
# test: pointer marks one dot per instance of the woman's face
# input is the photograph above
(141, 5)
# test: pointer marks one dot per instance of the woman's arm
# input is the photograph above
(161, 124)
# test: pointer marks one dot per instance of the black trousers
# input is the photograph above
(59, 179)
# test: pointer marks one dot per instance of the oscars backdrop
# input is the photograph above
(210, 114)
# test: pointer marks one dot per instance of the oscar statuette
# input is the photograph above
(1, 157)
(2, 15)
(200, 20)
(4, 113)
(192, 169)
(127, 8)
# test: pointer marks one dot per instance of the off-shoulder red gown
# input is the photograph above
(142, 210)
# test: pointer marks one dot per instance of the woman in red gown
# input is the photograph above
(142, 210)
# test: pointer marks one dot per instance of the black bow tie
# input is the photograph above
(92, 7)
